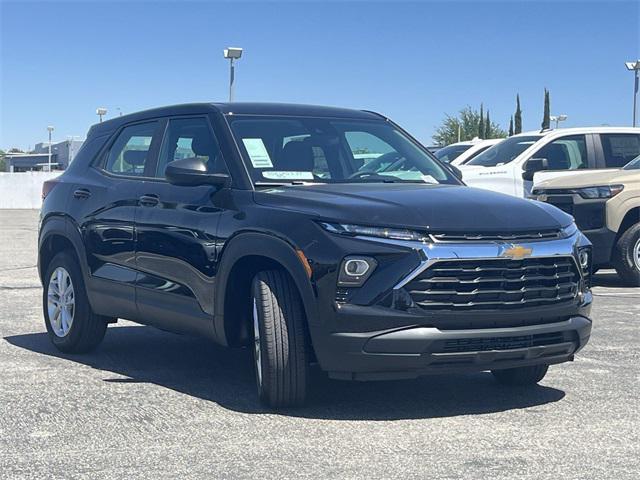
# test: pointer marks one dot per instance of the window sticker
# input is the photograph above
(258, 153)
(286, 175)
(429, 179)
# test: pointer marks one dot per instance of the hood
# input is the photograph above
(591, 178)
(438, 208)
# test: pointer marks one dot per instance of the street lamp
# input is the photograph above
(50, 129)
(634, 66)
(101, 111)
(557, 119)
(232, 53)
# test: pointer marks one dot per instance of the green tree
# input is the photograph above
(518, 120)
(467, 120)
(481, 123)
(3, 164)
(511, 126)
(546, 116)
(487, 126)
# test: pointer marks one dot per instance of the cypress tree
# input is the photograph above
(511, 126)
(518, 119)
(481, 123)
(487, 126)
(546, 117)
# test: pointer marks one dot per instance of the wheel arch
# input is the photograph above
(631, 218)
(57, 234)
(245, 255)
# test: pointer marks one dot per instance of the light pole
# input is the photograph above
(49, 129)
(232, 53)
(101, 111)
(558, 119)
(635, 67)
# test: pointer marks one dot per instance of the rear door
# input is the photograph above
(617, 149)
(176, 233)
(104, 206)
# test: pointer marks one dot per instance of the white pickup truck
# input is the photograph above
(516, 164)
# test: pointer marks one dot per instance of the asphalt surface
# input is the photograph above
(150, 404)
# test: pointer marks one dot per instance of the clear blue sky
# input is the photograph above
(412, 61)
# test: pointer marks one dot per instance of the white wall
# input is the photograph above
(24, 189)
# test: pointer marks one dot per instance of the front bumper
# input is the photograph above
(416, 351)
(386, 340)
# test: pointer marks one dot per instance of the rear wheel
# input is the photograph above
(626, 256)
(72, 326)
(521, 375)
(280, 349)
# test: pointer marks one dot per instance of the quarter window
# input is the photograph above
(566, 153)
(190, 138)
(619, 149)
(129, 153)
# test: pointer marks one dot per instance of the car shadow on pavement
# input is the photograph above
(195, 367)
(608, 279)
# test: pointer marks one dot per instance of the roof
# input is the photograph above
(241, 108)
(581, 130)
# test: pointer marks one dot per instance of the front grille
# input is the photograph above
(501, 343)
(487, 284)
(492, 237)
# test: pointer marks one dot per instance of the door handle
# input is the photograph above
(149, 200)
(81, 193)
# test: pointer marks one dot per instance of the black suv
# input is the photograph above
(314, 235)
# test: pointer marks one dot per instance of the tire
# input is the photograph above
(626, 256)
(521, 375)
(280, 347)
(84, 329)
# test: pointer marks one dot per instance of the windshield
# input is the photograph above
(450, 153)
(633, 164)
(505, 151)
(328, 150)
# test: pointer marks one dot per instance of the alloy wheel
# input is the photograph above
(257, 354)
(60, 302)
(636, 254)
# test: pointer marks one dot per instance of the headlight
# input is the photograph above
(599, 192)
(382, 232)
(585, 260)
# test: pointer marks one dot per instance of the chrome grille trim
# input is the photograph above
(500, 237)
(517, 283)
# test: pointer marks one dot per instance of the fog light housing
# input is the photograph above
(355, 270)
(585, 260)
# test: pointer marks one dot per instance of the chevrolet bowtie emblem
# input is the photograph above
(517, 252)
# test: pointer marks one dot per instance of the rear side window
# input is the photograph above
(565, 153)
(129, 153)
(619, 148)
(190, 138)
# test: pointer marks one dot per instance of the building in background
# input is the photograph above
(62, 154)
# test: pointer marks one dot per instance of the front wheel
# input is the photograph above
(280, 345)
(521, 375)
(626, 256)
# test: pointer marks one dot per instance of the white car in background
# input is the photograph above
(454, 151)
(476, 149)
(516, 164)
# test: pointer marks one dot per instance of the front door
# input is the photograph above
(176, 234)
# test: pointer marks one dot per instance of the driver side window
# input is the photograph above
(190, 138)
(566, 153)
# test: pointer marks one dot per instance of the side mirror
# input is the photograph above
(534, 165)
(191, 172)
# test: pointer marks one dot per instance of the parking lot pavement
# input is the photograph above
(150, 404)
